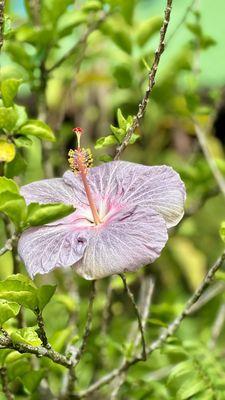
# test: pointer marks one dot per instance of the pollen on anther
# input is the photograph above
(80, 160)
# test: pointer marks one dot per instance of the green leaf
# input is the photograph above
(8, 118)
(147, 29)
(20, 289)
(105, 141)
(37, 128)
(121, 120)
(8, 310)
(27, 336)
(190, 388)
(134, 138)
(14, 206)
(119, 34)
(22, 116)
(8, 185)
(32, 379)
(40, 214)
(9, 89)
(7, 151)
(44, 294)
(119, 133)
(105, 158)
(123, 74)
(69, 21)
(183, 368)
(23, 141)
(16, 167)
(92, 5)
(18, 53)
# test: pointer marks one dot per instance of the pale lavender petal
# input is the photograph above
(45, 248)
(133, 238)
(157, 187)
(55, 190)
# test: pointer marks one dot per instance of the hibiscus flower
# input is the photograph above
(122, 215)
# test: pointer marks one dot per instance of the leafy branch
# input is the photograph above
(159, 342)
(151, 82)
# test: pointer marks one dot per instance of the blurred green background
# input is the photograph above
(103, 74)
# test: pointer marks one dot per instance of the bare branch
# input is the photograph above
(8, 245)
(217, 326)
(151, 81)
(76, 357)
(146, 293)
(2, 6)
(210, 160)
(131, 297)
(5, 384)
(81, 42)
(125, 365)
(182, 21)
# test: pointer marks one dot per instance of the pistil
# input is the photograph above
(80, 160)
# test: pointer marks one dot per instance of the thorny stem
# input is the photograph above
(87, 330)
(131, 297)
(151, 82)
(162, 337)
(2, 6)
(5, 384)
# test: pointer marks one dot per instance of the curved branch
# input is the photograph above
(169, 331)
(151, 81)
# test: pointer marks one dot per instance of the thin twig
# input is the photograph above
(217, 326)
(146, 293)
(182, 21)
(169, 331)
(81, 42)
(151, 82)
(131, 297)
(75, 359)
(8, 245)
(5, 384)
(2, 6)
(41, 330)
(210, 160)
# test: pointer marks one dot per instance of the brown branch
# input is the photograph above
(141, 328)
(40, 351)
(151, 82)
(75, 359)
(81, 42)
(2, 6)
(210, 160)
(169, 331)
(182, 21)
(41, 330)
(146, 293)
(8, 245)
(5, 384)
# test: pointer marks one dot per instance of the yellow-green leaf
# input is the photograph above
(9, 89)
(37, 128)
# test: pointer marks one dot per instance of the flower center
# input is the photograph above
(80, 160)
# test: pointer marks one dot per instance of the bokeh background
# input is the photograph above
(104, 74)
